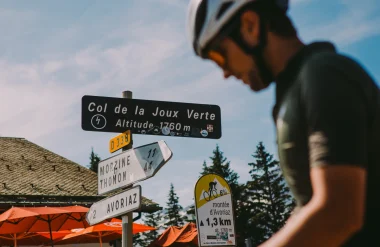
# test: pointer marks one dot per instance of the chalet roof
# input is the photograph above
(29, 170)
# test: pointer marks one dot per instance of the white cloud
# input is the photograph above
(33, 108)
(241, 167)
(186, 194)
(51, 89)
(42, 96)
(356, 21)
(294, 2)
(11, 26)
(132, 65)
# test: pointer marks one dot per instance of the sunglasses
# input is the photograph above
(217, 57)
(214, 51)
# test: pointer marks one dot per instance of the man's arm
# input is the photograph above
(334, 213)
(336, 114)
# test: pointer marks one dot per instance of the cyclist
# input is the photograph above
(212, 186)
(327, 116)
(209, 194)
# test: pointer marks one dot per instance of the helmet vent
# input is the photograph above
(223, 9)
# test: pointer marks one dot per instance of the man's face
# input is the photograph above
(232, 59)
(234, 62)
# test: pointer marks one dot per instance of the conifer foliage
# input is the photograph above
(94, 161)
(270, 201)
(220, 165)
(173, 209)
(152, 220)
(190, 214)
(261, 205)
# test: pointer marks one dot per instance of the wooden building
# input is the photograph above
(31, 175)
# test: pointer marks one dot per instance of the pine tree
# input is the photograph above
(138, 241)
(221, 166)
(143, 239)
(152, 220)
(270, 202)
(94, 161)
(190, 214)
(173, 209)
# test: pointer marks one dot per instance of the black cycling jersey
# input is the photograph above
(327, 112)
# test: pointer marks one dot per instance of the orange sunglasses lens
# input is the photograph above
(217, 58)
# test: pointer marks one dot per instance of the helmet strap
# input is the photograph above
(256, 51)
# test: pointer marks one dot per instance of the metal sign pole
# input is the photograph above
(132, 164)
(127, 220)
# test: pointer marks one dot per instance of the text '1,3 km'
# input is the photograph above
(107, 114)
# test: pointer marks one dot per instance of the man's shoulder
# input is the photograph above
(328, 70)
(329, 61)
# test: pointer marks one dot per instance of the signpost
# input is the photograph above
(120, 141)
(107, 114)
(132, 166)
(214, 211)
(127, 219)
(136, 116)
(120, 204)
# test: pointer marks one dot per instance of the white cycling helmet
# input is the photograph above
(216, 13)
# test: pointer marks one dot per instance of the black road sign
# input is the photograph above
(107, 114)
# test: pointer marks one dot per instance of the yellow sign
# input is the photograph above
(210, 187)
(120, 141)
(215, 212)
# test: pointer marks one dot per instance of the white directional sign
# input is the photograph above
(120, 204)
(132, 166)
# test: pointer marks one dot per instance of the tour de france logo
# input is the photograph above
(209, 188)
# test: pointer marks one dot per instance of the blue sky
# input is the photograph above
(53, 53)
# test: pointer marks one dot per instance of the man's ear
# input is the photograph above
(250, 27)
